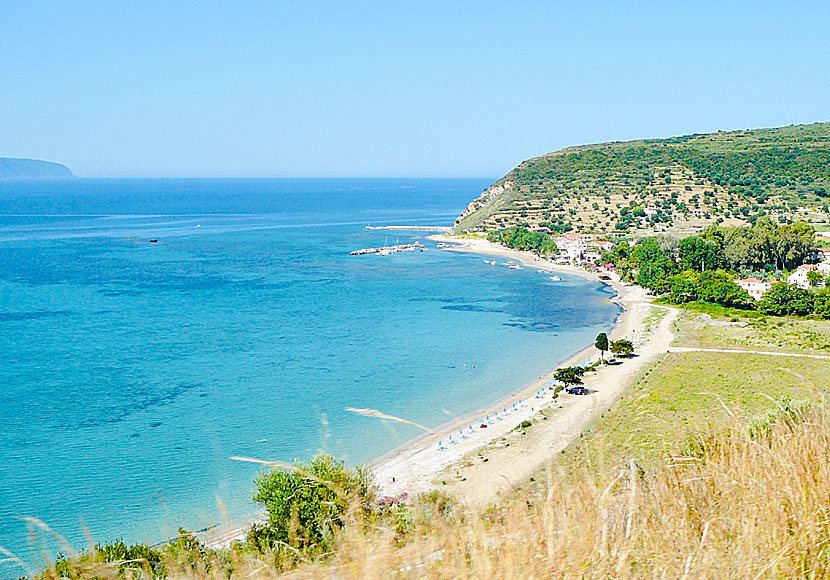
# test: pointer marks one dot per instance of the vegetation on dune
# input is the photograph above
(307, 504)
(663, 183)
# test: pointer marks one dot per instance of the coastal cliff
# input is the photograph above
(486, 201)
(12, 168)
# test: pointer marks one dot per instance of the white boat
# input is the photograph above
(555, 278)
(515, 267)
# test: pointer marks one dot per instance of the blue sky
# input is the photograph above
(390, 88)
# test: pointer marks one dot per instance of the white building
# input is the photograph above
(754, 287)
(800, 279)
(579, 247)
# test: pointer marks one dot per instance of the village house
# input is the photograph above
(754, 287)
(799, 276)
(576, 248)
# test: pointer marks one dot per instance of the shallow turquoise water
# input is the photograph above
(132, 371)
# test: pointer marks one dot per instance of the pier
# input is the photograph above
(441, 229)
(384, 250)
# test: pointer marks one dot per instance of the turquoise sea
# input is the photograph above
(131, 371)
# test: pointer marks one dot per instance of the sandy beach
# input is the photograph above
(458, 466)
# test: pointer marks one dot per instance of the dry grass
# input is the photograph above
(796, 335)
(737, 507)
(728, 504)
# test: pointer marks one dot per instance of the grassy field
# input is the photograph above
(754, 333)
(689, 392)
(692, 392)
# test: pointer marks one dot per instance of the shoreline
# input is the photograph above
(414, 466)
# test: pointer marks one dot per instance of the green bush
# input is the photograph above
(306, 505)
(786, 300)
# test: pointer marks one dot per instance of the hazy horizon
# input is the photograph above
(364, 89)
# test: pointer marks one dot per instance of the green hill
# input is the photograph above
(665, 184)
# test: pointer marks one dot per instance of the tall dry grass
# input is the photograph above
(740, 503)
(747, 501)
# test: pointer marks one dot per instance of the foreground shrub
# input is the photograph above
(306, 505)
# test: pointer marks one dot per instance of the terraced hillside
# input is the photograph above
(665, 184)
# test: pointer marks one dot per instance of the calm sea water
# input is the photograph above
(130, 371)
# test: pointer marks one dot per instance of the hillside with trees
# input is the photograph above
(655, 185)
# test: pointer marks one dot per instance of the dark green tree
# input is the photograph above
(622, 347)
(821, 302)
(786, 300)
(569, 375)
(718, 287)
(654, 266)
(602, 344)
(699, 255)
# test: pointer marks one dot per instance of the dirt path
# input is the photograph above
(737, 351)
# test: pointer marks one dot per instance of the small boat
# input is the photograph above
(442, 245)
(515, 267)
(555, 278)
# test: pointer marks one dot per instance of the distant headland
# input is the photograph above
(11, 168)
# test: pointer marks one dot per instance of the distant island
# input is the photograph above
(11, 168)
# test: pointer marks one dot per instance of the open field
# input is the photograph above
(690, 392)
(754, 333)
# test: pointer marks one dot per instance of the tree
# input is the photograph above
(683, 287)
(653, 264)
(815, 278)
(601, 344)
(718, 287)
(699, 255)
(306, 505)
(786, 300)
(622, 347)
(569, 375)
(821, 302)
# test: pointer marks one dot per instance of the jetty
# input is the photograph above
(384, 250)
(441, 229)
